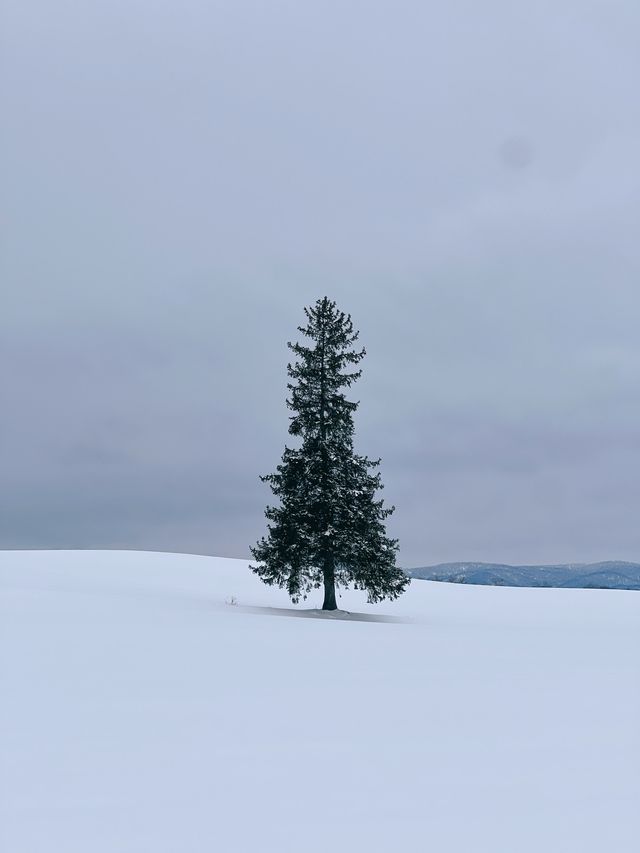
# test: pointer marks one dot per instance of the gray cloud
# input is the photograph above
(180, 181)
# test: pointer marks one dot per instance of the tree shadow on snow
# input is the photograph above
(315, 613)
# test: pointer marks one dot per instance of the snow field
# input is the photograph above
(143, 713)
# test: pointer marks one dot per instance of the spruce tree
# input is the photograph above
(329, 526)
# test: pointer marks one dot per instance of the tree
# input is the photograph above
(329, 527)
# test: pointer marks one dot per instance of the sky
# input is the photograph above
(179, 179)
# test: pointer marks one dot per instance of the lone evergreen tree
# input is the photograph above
(329, 528)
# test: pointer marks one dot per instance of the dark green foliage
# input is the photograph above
(329, 527)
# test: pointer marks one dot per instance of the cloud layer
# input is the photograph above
(181, 179)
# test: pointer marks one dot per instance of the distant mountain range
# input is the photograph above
(607, 575)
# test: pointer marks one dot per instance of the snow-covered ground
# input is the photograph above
(141, 712)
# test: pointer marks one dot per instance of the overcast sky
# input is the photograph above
(180, 178)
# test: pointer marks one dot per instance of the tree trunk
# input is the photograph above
(329, 587)
(328, 573)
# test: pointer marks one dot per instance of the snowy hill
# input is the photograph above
(159, 703)
(606, 575)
